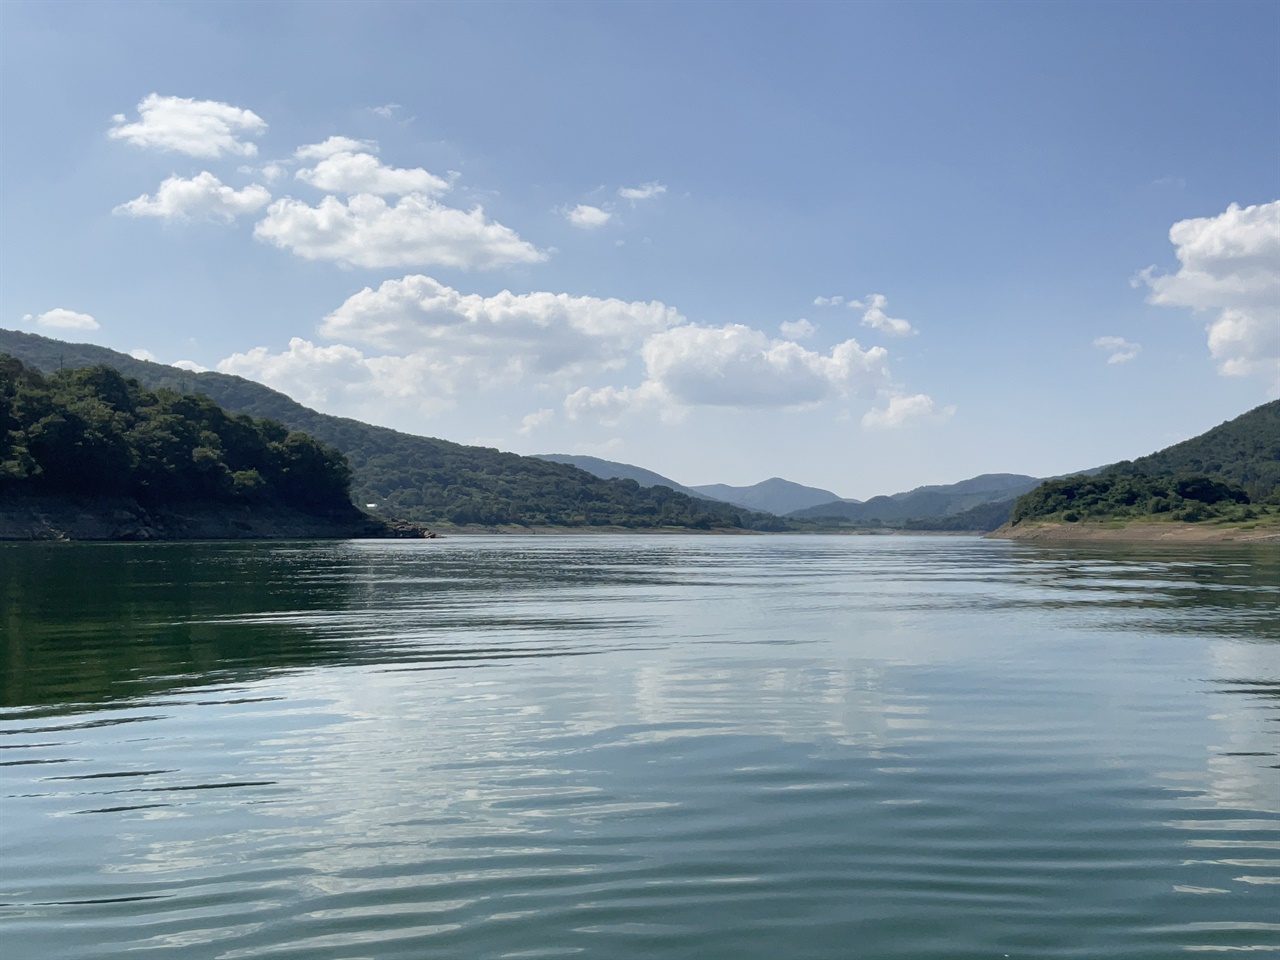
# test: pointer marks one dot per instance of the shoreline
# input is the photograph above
(1138, 531)
(124, 520)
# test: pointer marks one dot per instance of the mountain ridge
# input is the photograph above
(422, 479)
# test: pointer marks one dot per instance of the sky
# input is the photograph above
(860, 246)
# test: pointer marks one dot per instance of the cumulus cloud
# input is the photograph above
(903, 411)
(646, 191)
(270, 172)
(190, 365)
(738, 366)
(609, 404)
(539, 331)
(797, 329)
(62, 319)
(141, 353)
(366, 231)
(733, 366)
(342, 377)
(828, 301)
(874, 316)
(588, 217)
(1119, 349)
(387, 111)
(350, 172)
(198, 128)
(415, 344)
(427, 342)
(327, 148)
(1229, 264)
(532, 421)
(202, 197)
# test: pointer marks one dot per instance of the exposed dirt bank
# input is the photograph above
(116, 518)
(1142, 532)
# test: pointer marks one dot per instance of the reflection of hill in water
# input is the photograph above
(1213, 589)
(87, 624)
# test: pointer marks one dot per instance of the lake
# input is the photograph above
(639, 746)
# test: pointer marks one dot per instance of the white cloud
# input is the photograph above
(646, 191)
(588, 217)
(408, 348)
(431, 342)
(1230, 264)
(327, 148)
(270, 172)
(737, 366)
(608, 404)
(387, 111)
(61, 319)
(139, 353)
(828, 301)
(190, 365)
(349, 172)
(539, 331)
(366, 231)
(340, 377)
(1119, 349)
(874, 316)
(202, 197)
(198, 128)
(797, 329)
(532, 421)
(903, 411)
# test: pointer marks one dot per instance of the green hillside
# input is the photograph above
(90, 432)
(420, 478)
(1231, 472)
(1244, 451)
(612, 470)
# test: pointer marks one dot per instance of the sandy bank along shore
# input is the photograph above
(1142, 532)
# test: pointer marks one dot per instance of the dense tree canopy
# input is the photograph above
(92, 431)
(1231, 472)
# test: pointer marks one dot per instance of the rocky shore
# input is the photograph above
(116, 518)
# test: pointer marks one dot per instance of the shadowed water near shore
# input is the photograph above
(639, 746)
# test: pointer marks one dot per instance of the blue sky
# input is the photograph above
(862, 246)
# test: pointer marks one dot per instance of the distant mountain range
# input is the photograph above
(941, 500)
(609, 470)
(785, 498)
(774, 495)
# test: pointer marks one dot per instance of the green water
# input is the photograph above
(618, 747)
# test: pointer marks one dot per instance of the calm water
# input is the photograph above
(616, 747)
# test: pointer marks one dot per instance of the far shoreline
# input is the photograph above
(1138, 531)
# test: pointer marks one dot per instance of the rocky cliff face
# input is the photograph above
(55, 518)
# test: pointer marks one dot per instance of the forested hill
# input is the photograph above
(421, 478)
(1244, 451)
(1231, 472)
(91, 432)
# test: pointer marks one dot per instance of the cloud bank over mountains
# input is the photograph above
(432, 342)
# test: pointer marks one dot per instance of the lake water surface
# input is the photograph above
(644, 746)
